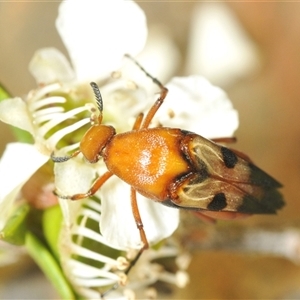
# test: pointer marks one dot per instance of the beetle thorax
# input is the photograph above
(150, 160)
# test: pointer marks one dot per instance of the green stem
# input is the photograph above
(46, 261)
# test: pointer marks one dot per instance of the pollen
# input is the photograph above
(171, 113)
(123, 279)
(116, 75)
(122, 263)
(182, 279)
(129, 294)
(131, 85)
(183, 261)
(151, 293)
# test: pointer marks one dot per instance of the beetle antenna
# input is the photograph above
(155, 80)
(98, 96)
(163, 93)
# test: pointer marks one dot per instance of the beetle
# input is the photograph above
(175, 167)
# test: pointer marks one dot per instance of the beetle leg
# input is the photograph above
(139, 224)
(138, 122)
(95, 187)
(138, 220)
(151, 113)
(224, 140)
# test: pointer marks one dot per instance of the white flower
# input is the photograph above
(97, 34)
(20, 161)
(91, 272)
(198, 106)
(49, 67)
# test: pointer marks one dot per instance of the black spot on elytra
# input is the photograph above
(218, 202)
(230, 159)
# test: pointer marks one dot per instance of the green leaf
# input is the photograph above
(22, 135)
(46, 261)
(52, 220)
(4, 94)
(15, 228)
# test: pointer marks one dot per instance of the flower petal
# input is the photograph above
(117, 222)
(18, 163)
(14, 112)
(198, 106)
(71, 177)
(49, 65)
(219, 47)
(98, 33)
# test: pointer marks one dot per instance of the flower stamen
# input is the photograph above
(36, 95)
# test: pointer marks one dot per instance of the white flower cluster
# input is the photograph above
(97, 34)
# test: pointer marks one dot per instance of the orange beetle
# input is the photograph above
(177, 168)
